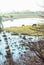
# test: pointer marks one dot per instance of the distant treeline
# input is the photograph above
(25, 14)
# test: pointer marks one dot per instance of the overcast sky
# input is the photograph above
(21, 5)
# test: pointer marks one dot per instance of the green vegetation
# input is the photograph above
(25, 14)
(29, 30)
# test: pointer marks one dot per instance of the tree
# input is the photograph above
(1, 25)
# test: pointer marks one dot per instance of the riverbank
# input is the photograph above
(26, 30)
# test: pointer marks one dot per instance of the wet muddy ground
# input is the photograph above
(20, 53)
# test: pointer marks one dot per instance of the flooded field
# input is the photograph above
(16, 44)
(23, 21)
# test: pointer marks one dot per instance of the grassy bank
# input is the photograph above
(24, 30)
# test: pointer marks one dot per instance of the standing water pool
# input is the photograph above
(15, 44)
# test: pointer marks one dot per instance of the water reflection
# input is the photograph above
(16, 45)
(23, 21)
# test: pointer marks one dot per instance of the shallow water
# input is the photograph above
(14, 42)
(23, 21)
